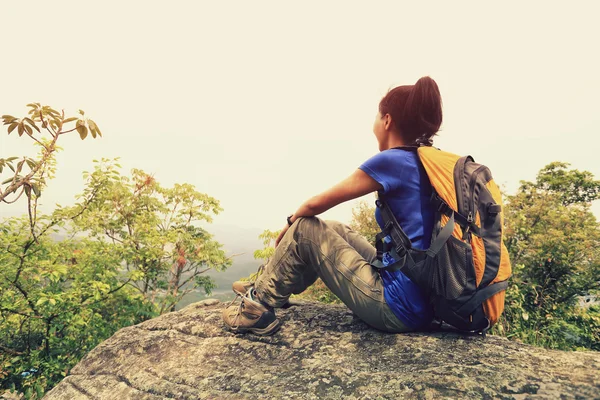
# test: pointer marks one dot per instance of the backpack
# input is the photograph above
(464, 271)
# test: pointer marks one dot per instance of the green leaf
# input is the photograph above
(39, 390)
(52, 301)
(66, 121)
(83, 131)
(36, 190)
(41, 301)
(32, 164)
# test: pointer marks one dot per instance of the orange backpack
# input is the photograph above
(464, 272)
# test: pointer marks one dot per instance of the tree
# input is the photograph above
(553, 237)
(571, 186)
(131, 249)
(28, 174)
(157, 232)
(57, 299)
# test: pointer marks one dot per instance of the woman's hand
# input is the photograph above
(281, 234)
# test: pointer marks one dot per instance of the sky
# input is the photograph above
(265, 104)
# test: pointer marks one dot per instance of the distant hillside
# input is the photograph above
(241, 242)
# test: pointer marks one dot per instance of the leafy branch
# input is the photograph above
(40, 120)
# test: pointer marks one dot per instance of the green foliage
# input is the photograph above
(132, 250)
(155, 231)
(363, 221)
(571, 186)
(57, 301)
(268, 237)
(553, 238)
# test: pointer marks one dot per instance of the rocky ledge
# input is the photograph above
(321, 352)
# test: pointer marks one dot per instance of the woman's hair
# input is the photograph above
(416, 110)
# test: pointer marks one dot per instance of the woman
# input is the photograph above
(308, 248)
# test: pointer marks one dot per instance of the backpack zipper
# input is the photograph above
(472, 182)
(458, 175)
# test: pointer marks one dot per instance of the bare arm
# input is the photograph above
(356, 185)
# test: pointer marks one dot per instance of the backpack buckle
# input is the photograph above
(442, 207)
(400, 250)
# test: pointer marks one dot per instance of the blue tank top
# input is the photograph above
(407, 191)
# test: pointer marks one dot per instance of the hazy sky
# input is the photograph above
(264, 104)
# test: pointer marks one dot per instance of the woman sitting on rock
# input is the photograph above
(309, 248)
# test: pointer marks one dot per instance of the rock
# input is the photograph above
(321, 352)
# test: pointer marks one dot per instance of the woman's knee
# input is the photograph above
(308, 224)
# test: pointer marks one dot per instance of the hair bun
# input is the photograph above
(415, 109)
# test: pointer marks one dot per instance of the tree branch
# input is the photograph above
(17, 184)
(10, 351)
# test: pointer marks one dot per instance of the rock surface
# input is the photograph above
(321, 352)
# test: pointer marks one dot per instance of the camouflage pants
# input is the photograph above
(313, 248)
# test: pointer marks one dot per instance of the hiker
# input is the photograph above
(309, 248)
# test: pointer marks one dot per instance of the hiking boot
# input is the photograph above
(241, 287)
(251, 316)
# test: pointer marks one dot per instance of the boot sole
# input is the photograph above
(269, 330)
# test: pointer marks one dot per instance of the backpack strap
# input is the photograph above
(460, 219)
(401, 241)
(400, 246)
(441, 238)
(481, 296)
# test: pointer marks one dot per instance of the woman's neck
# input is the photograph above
(393, 141)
